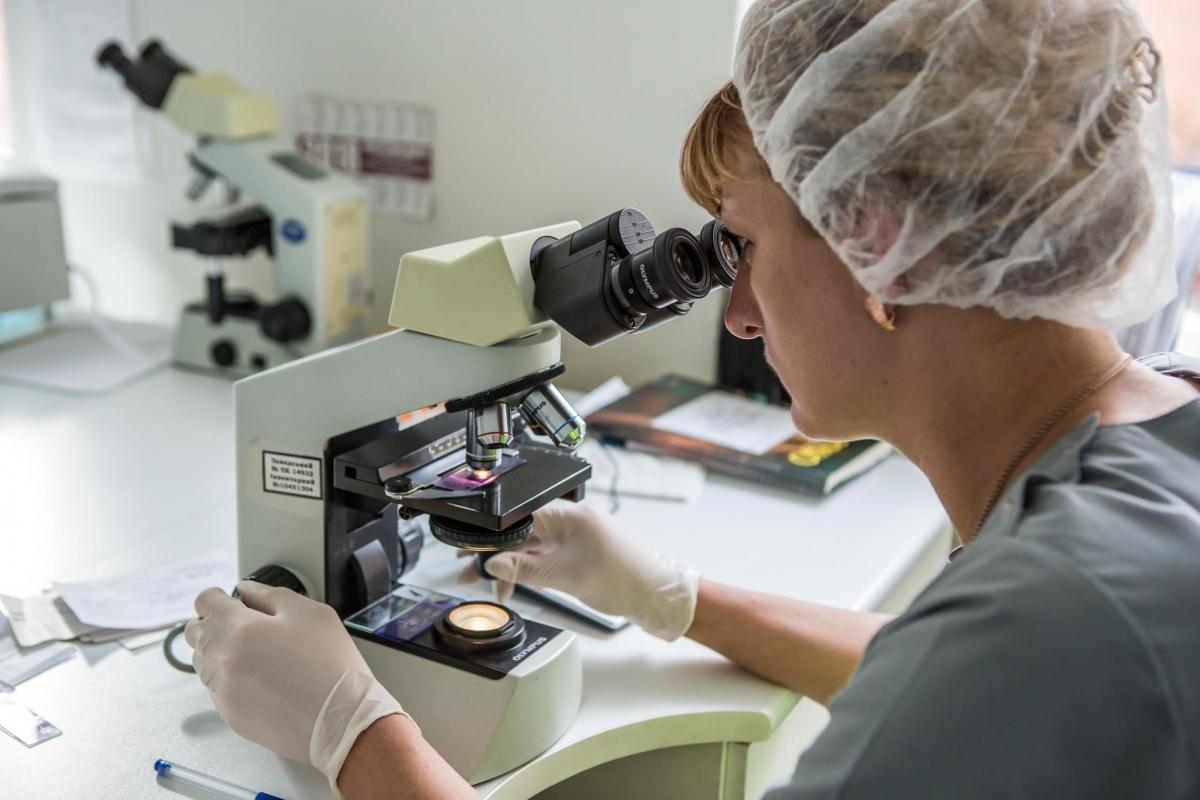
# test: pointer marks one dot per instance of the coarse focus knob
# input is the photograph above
(286, 321)
(275, 575)
(223, 353)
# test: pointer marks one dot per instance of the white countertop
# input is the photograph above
(90, 487)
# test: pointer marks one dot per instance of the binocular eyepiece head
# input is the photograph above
(616, 276)
(150, 77)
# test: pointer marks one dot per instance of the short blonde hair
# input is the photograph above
(705, 162)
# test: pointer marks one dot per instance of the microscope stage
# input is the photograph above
(432, 449)
(546, 475)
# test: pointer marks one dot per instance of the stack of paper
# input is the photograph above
(136, 608)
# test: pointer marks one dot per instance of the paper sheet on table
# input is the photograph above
(18, 665)
(730, 421)
(149, 598)
(86, 358)
(105, 635)
(137, 641)
(620, 471)
(608, 392)
(41, 618)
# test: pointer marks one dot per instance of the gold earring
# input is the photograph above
(884, 314)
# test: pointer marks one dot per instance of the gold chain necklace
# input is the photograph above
(1038, 435)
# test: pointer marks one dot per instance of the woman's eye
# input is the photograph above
(743, 248)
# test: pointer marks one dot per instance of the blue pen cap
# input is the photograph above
(265, 796)
(161, 766)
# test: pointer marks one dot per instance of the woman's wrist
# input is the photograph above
(391, 760)
(374, 751)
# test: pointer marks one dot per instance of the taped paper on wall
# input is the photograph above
(388, 147)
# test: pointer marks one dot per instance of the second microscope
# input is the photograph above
(311, 222)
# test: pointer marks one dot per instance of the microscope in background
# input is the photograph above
(311, 222)
(454, 422)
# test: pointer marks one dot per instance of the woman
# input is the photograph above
(943, 206)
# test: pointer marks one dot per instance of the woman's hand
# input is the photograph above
(284, 673)
(574, 549)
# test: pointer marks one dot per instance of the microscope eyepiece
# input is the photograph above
(671, 271)
(112, 56)
(722, 251)
(616, 276)
(154, 53)
(150, 77)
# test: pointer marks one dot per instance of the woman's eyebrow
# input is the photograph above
(724, 214)
(731, 221)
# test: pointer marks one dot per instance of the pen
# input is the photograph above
(214, 786)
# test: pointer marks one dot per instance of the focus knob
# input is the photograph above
(286, 321)
(223, 353)
(274, 575)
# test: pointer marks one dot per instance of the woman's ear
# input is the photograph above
(879, 233)
(881, 230)
(884, 314)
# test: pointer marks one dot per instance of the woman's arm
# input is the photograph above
(810, 648)
(391, 760)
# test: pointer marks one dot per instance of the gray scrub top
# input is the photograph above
(1059, 655)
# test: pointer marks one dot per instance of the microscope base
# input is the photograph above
(485, 727)
(235, 346)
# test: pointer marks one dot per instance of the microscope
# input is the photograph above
(453, 424)
(311, 222)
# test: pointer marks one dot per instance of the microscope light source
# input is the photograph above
(479, 617)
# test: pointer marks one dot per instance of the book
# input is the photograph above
(731, 434)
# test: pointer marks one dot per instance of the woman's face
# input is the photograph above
(797, 295)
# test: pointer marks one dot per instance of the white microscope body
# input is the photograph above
(286, 420)
(338, 452)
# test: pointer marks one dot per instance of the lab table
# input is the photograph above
(91, 487)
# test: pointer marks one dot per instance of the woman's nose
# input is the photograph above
(742, 317)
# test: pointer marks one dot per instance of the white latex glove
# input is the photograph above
(576, 550)
(285, 674)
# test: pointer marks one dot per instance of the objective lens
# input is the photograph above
(721, 251)
(672, 271)
(479, 617)
(549, 413)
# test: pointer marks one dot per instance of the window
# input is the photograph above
(6, 128)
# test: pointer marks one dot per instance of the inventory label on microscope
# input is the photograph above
(284, 473)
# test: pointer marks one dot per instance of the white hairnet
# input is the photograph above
(1001, 153)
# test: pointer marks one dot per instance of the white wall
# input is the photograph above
(546, 110)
